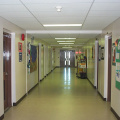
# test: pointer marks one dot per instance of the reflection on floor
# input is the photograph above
(62, 96)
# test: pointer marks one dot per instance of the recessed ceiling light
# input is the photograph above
(61, 25)
(65, 38)
(66, 43)
(58, 8)
(66, 47)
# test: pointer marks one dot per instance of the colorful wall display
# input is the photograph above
(117, 44)
(28, 57)
(33, 59)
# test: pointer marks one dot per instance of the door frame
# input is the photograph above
(106, 66)
(13, 82)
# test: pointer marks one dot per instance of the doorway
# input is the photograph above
(7, 69)
(109, 68)
(67, 58)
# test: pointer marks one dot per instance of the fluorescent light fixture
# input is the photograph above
(61, 25)
(66, 47)
(66, 43)
(65, 38)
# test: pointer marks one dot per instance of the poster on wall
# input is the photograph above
(113, 54)
(102, 53)
(28, 57)
(117, 78)
(99, 53)
(33, 59)
(19, 47)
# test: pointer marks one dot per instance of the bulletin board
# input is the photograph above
(117, 44)
(33, 59)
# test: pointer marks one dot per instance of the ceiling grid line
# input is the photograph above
(87, 15)
(33, 15)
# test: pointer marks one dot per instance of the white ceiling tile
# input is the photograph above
(12, 8)
(55, 1)
(15, 14)
(106, 6)
(97, 23)
(6, 2)
(108, 1)
(61, 20)
(65, 7)
(104, 13)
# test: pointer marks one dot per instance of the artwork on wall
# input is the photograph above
(28, 57)
(102, 53)
(117, 78)
(33, 59)
(113, 54)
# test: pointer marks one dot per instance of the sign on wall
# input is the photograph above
(102, 53)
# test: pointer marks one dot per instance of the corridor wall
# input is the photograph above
(90, 47)
(113, 29)
(19, 67)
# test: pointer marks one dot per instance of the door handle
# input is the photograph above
(6, 73)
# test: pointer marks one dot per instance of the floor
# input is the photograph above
(62, 96)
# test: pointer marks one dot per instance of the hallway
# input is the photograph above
(62, 96)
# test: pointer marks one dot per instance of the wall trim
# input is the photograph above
(116, 115)
(91, 84)
(104, 99)
(32, 88)
(2, 117)
(15, 104)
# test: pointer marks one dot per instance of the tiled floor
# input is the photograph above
(62, 96)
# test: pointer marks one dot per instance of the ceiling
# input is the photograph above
(30, 15)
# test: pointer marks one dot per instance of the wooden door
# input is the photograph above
(109, 67)
(7, 69)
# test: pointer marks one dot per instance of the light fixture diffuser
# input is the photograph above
(66, 43)
(61, 25)
(65, 38)
(66, 47)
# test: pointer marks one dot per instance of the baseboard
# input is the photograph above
(91, 83)
(41, 79)
(2, 117)
(104, 99)
(15, 104)
(32, 88)
(116, 115)
(57, 67)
